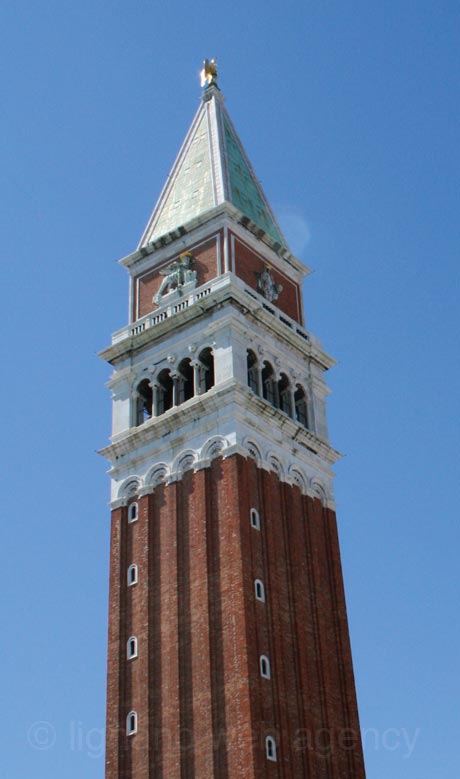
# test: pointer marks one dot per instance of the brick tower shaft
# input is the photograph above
(229, 653)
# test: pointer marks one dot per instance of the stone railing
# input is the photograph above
(169, 309)
(178, 304)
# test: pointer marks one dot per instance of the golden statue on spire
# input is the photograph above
(208, 74)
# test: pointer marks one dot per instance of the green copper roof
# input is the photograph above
(211, 168)
(191, 193)
(244, 190)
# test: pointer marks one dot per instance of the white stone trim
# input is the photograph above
(267, 324)
(130, 487)
(192, 459)
(119, 503)
(157, 474)
(225, 213)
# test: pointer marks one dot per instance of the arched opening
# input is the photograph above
(259, 590)
(206, 360)
(265, 667)
(132, 512)
(131, 723)
(253, 372)
(131, 649)
(284, 394)
(144, 402)
(269, 385)
(185, 388)
(165, 391)
(255, 519)
(270, 748)
(132, 575)
(301, 409)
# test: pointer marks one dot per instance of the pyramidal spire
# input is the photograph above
(211, 168)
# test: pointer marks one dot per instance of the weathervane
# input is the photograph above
(208, 74)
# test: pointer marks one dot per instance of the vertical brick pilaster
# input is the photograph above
(216, 650)
(326, 734)
(114, 689)
(272, 530)
(137, 670)
(236, 673)
(350, 754)
(169, 637)
(307, 692)
(185, 523)
(200, 639)
(156, 507)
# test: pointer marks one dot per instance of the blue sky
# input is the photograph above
(350, 116)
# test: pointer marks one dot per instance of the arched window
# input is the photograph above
(253, 372)
(265, 667)
(270, 748)
(144, 402)
(132, 575)
(255, 519)
(131, 648)
(259, 590)
(300, 401)
(185, 381)
(132, 512)
(206, 361)
(131, 723)
(269, 385)
(284, 394)
(165, 391)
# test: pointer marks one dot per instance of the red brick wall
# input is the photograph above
(115, 663)
(147, 285)
(248, 263)
(204, 710)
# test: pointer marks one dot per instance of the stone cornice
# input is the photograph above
(236, 293)
(224, 214)
(245, 406)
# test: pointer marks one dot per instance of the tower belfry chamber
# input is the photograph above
(228, 651)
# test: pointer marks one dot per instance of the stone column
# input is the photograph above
(156, 398)
(175, 378)
(196, 365)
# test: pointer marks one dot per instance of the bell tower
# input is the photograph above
(228, 650)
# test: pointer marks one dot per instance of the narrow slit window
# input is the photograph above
(270, 748)
(255, 519)
(132, 648)
(259, 590)
(265, 667)
(131, 723)
(133, 512)
(132, 574)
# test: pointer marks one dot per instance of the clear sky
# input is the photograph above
(349, 113)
